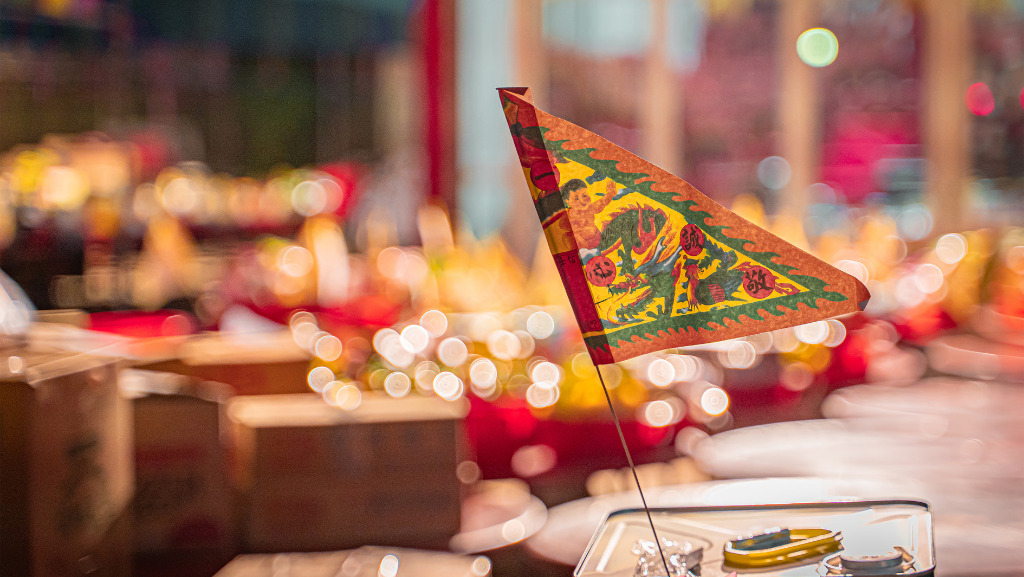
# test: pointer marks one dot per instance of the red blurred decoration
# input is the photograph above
(435, 34)
(165, 323)
(923, 323)
(363, 312)
(861, 141)
(980, 100)
(496, 430)
(348, 175)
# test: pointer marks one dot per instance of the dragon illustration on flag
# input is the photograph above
(647, 260)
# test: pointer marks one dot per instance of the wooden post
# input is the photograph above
(947, 61)
(437, 48)
(660, 115)
(529, 63)
(799, 107)
(530, 57)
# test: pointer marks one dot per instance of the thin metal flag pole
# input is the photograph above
(632, 467)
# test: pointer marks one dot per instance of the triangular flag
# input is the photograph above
(647, 260)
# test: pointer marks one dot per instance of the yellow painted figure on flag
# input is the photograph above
(647, 260)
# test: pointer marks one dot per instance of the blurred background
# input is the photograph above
(300, 229)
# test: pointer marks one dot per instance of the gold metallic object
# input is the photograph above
(781, 546)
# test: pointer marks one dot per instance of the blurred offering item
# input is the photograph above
(318, 477)
(498, 512)
(675, 472)
(66, 475)
(958, 448)
(974, 357)
(991, 324)
(564, 538)
(362, 562)
(184, 499)
(251, 364)
(940, 407)
(767, 540)
(498, 516)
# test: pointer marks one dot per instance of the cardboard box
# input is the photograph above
(66, 467)
(267, 364)
(362, 562)
(321, 513)
(318, 478)
(184, 499)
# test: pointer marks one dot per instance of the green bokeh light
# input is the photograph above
(817, 47)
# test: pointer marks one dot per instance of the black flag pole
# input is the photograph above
(632, 467)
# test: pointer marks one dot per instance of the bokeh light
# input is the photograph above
(435, 322)
(836, 333)
(738, 355)
(382, 337)
(812, 333)
(774, 172)
(928, 278)
(481, 566)
(300, 317)
(796, 376)
(908, 293)
(425, 373)
(546, 372)
(504, 345)
(348, 397)
(657, 413)
(513, 530)
(951, 248)
(319, 378)
(583, 366)
(527, 344)
(980, 100)
(541, 395)
(304, 334)
(483, 373)
(468, 472)
(391, 262)
(612, 375)
(328, 347)
(854, 268)
(687, 367)
(388, 566)
(180, 197)
(914, 222)
(540, 325)
(714, 401)
(817, 47)
(309, 198)
(398, 384)
(761, 342)
(448, 386)
(296, 261)
(452, 351)
(661, 373)
(414, 338)
(533, 460)
(785, 340)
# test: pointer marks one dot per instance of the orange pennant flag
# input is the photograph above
(647, 260)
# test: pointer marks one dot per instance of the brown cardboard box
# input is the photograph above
(362, 562)
(184, 500)
(321, 513)
(66, 470)
(270, 364)
(318, 478)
